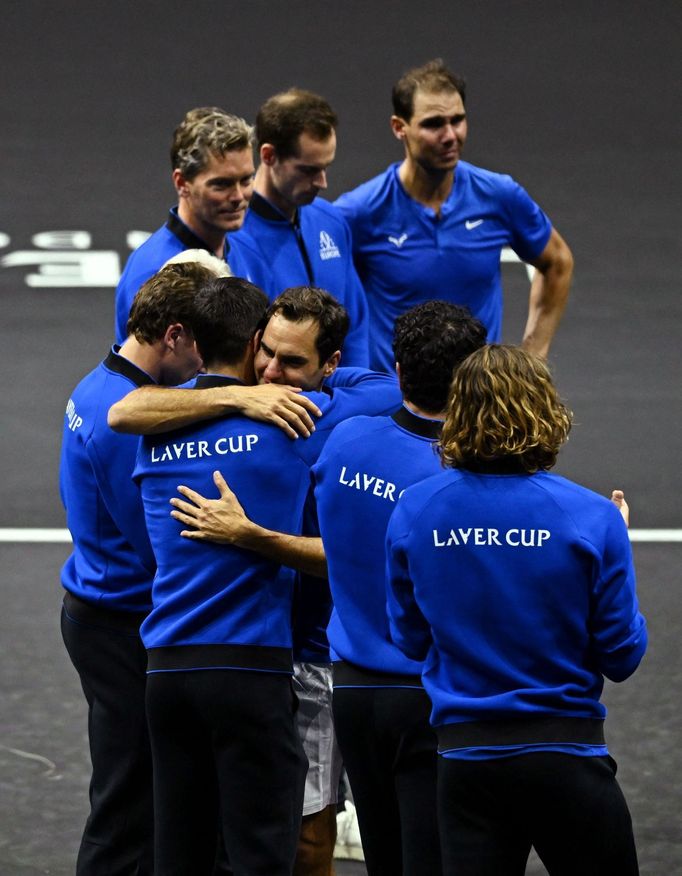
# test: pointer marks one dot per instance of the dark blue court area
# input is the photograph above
(578, 101)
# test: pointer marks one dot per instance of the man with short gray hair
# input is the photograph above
(212, 171)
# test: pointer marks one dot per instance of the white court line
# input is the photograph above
(660, 535)
(56, 536)
(51, 536)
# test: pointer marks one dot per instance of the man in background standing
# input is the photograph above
(290, 236)
(212, 163)
(433, 226)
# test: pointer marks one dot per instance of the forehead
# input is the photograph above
(437, 103)
(287, 338)
(315, 152)
(235, 164)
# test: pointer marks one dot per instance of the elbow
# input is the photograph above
(621, 664)
(115, 419)
(565, 263)
(318, 569)
(556, 263)
(562, 264)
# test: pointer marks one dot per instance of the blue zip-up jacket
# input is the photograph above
(364, 468)
(518, 591)
(315, 249)
(219, 605)
(112, 563)
(169, 240)
(354, 391)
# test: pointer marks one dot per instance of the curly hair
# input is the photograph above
(503, 404)
(206, 131)
(299, 303)
(429, 342)
(432, 77)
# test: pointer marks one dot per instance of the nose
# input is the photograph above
(272, 371)
(320, 179)
(238, 193)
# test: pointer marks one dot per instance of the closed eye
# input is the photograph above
(440, 121)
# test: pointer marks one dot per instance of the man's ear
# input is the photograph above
(398, 126)
(172, 335)
(331, 364)
(399, 375)
(268, 154)
(180, 183)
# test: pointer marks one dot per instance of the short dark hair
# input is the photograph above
(165, 299)
(228, 313)
(429, 342)
(285, 116)
(504, 405)
(431, 77)
(299, 303)
(207, 131)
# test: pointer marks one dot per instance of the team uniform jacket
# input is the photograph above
(169, 240)
(355, 391)
(218, 605)
(364, 468)
(405, 254)
(518, 591)
(112, 564)
(315, 249)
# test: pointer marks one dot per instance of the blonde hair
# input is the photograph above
(503, 404)
(207, 131)
(218, 267)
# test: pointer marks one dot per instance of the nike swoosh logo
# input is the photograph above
(469, 224)
(399, 241)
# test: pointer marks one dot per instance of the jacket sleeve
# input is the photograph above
(112, 462)
(617, 628)
(408, 627)
(356, 346)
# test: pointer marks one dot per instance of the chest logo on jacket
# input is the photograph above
(328, 249)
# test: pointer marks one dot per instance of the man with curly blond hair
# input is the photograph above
(517, 589)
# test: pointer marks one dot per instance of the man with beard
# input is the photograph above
(290, 235)
(433, 226)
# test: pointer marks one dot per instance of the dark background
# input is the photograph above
(579, 101)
